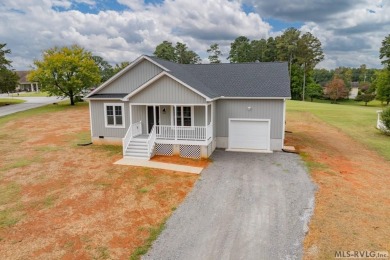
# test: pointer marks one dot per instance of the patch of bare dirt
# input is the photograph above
(353, 199)
(73, 201)
(182, 161)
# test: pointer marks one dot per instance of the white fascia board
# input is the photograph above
(120, 73)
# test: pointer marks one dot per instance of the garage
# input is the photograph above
(249, 134)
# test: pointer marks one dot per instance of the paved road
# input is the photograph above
(245, 206)
(31, 102)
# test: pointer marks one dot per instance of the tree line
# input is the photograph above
(70, 70)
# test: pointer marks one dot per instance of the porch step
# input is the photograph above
(137, 148)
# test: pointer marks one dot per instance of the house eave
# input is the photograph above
(269, 98)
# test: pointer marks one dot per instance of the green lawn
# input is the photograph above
(30, 94)
(10, 101)
(357, 121)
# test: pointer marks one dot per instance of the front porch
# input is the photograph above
(169, 129)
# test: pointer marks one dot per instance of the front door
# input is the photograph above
(153, 117)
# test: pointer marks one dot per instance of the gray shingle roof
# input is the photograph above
(260, 79)
(118, 96)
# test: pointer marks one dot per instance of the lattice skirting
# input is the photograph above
(190, 151)
(164, 149)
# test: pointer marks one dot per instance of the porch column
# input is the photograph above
(175, 121)
(206, 119)
(36, 87)
(131, 115)
(32, 87)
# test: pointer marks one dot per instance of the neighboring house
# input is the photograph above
(24, 84)
(154, 106)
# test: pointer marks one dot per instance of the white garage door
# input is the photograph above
(249, 134)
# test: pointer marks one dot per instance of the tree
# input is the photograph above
(322, 76)
(385, 117)
(240, 50)
(214, 53)
(66, 71)
(4, 62)
(185, 56)
(180, 53)
(382, 85)
(287, 45)
(259, 50)
(8, 78)
(105, 69)
(365, 97)
(314, 90)
(384, 52)
(271, 52)
(336, 90)
(165, 51)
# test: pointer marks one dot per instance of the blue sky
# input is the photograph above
(351, 31)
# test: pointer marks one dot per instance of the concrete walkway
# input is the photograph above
(159, 165)
(31, 102)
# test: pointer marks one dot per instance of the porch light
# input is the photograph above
(164, 110)
(249, 108)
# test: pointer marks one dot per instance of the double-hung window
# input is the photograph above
(114, 115)
(184, 116)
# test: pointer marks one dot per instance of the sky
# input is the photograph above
(351, 31)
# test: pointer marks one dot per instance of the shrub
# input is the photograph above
(385, 117)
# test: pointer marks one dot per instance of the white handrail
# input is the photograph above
(194, 133)
(134, 130)
(151, 140)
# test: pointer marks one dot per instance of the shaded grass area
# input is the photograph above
(10, 101)
(30, 94)
(351, 102)
(357, 121)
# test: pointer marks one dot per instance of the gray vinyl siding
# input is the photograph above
(208, 114)
(261, 109)
(132, 79)
(165, 118)
(98, 117)
(167, 91)
(199, 116)
(138, 113)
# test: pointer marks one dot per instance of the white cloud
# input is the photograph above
(118, 36)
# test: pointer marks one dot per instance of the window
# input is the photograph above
(184, 116)
(114, 115)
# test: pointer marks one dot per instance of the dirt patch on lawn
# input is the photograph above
(353, 199)
(63, 201)
(182, 161)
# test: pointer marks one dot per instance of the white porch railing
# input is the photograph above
(191, 133)
(151, 140)
(134, 130)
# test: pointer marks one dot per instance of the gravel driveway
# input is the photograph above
(245, 206)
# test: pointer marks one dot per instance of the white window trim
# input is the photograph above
(123, 115)
(173, 115)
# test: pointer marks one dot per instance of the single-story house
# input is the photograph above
(154, 106)
(24, 84)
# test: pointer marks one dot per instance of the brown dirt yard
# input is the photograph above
(63, 201)
(352, 207)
